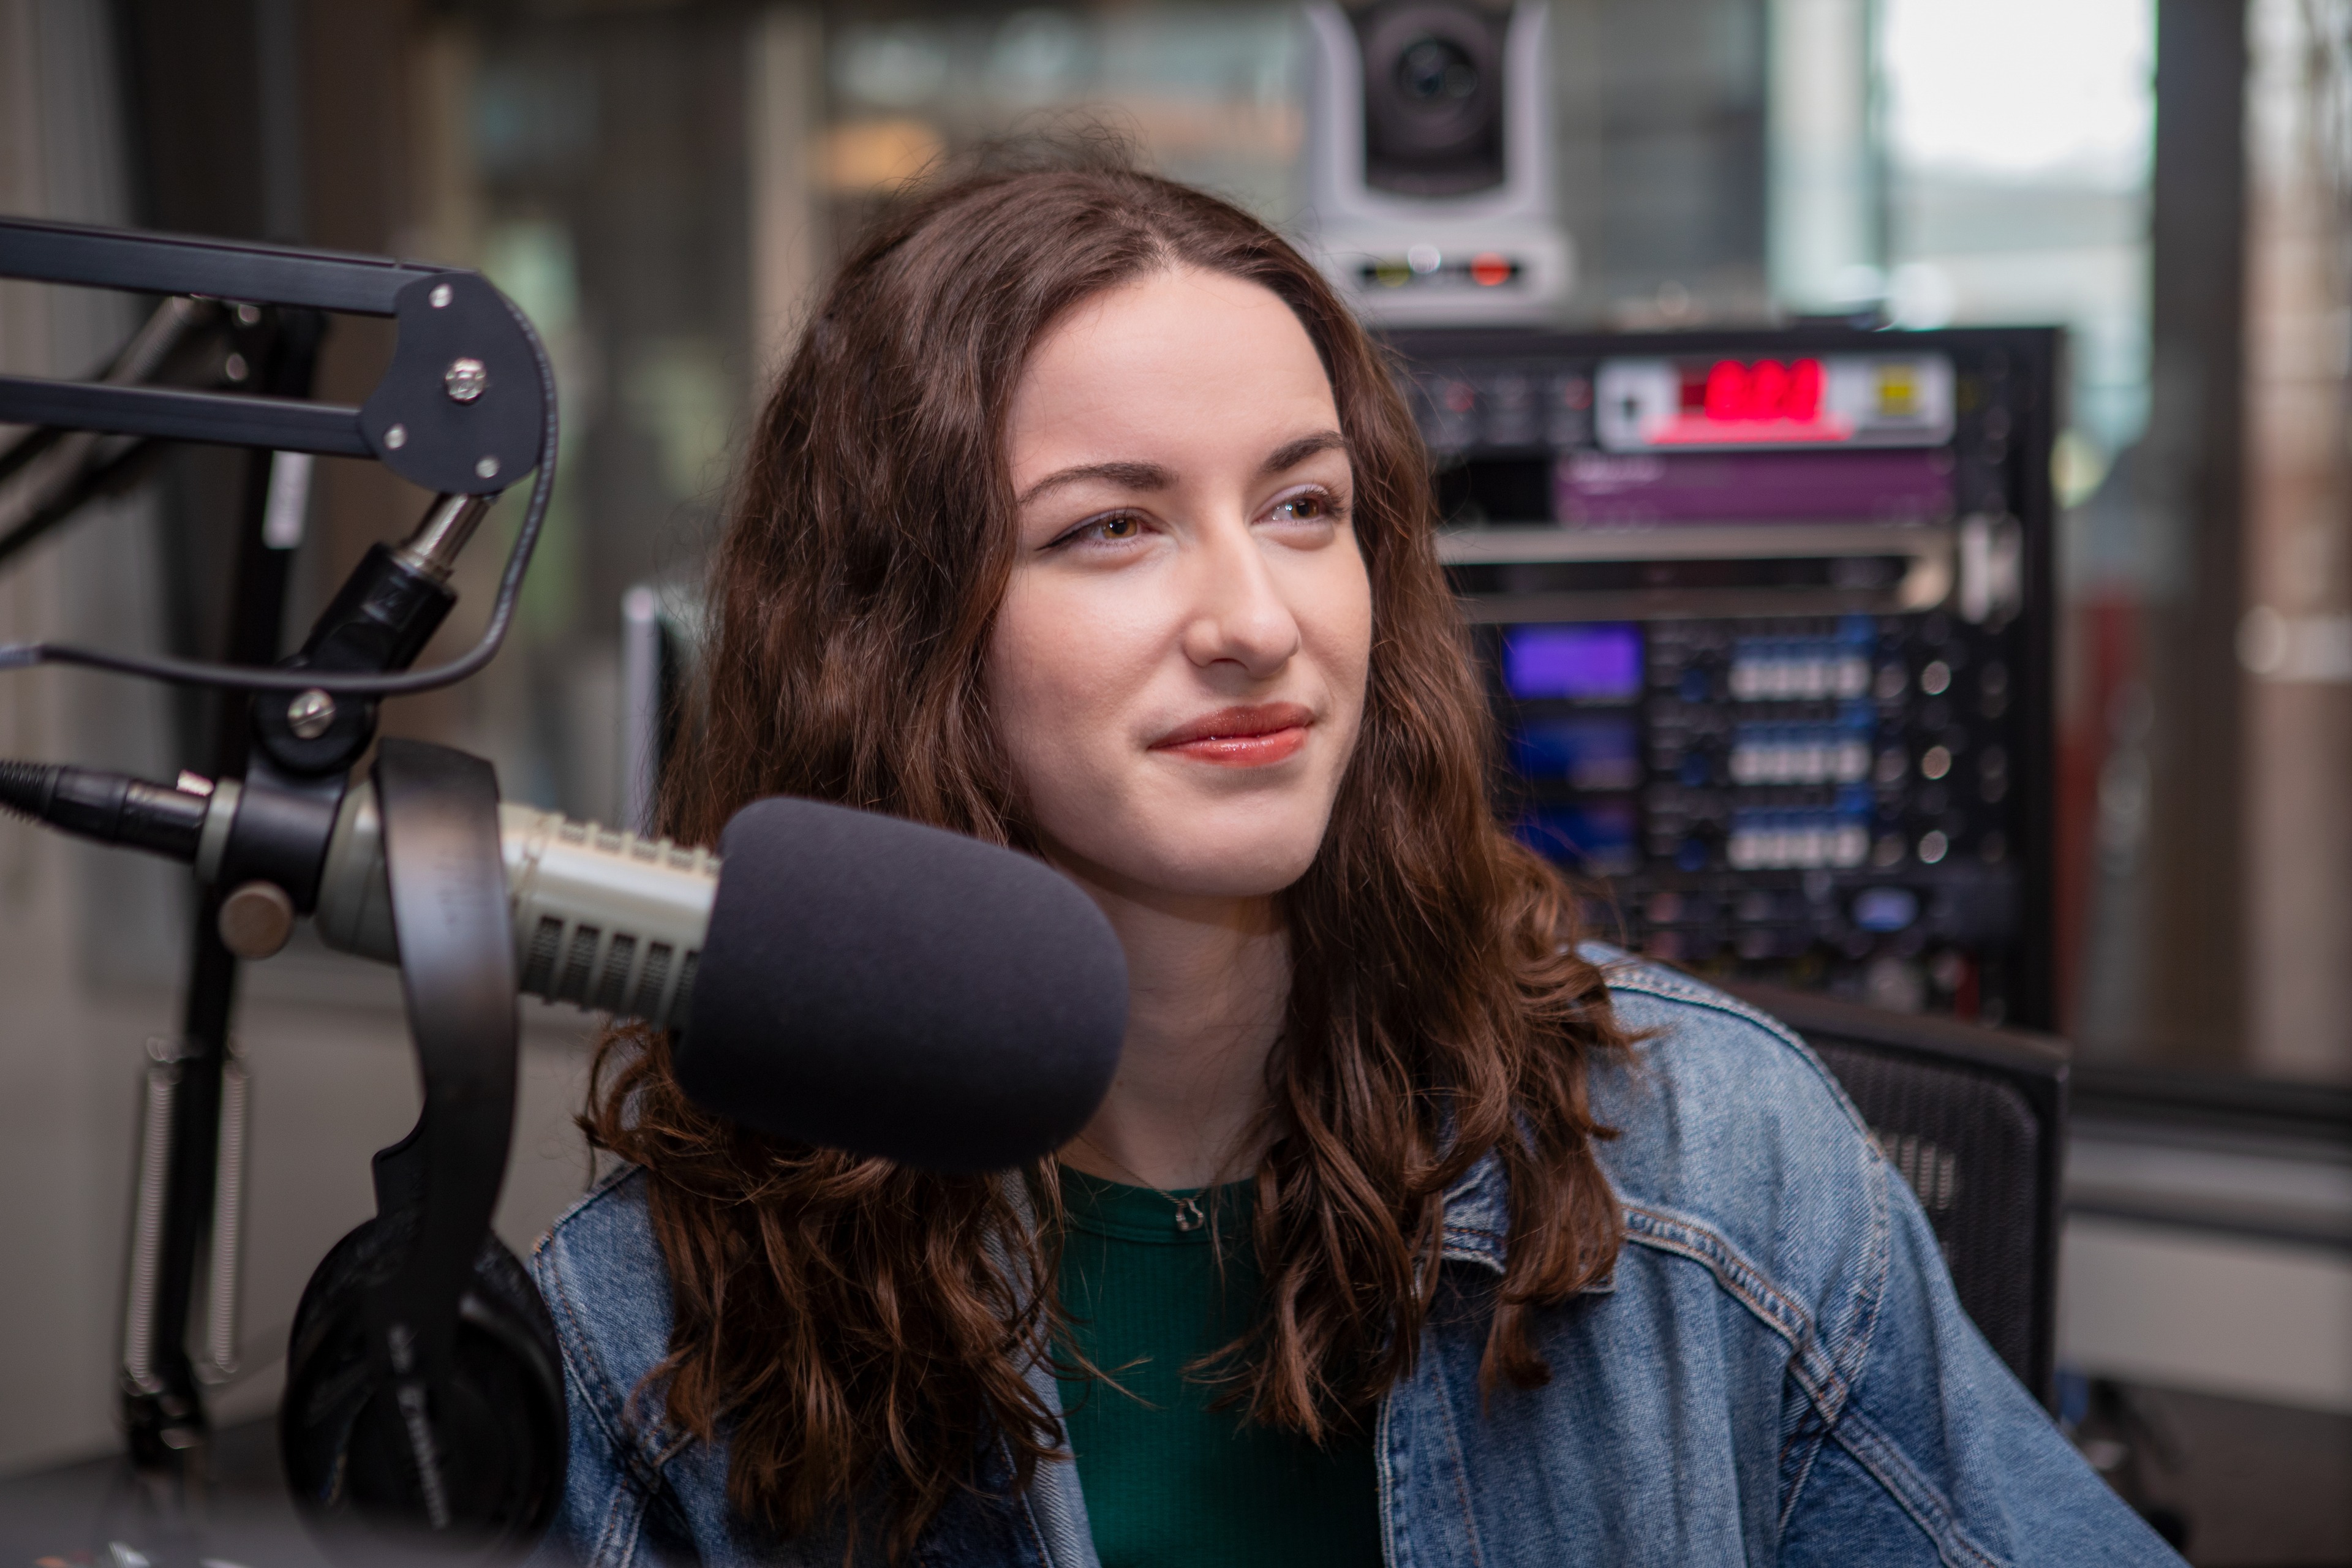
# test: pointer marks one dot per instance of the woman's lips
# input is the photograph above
(1241, 737)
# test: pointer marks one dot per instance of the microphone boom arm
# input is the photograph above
(466, 407)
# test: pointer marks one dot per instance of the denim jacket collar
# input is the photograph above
(1478, 1221)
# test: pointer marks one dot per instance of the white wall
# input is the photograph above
(2207, 1312)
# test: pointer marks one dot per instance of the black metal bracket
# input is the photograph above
(459, 411)
(439, 1186)
(220, 269)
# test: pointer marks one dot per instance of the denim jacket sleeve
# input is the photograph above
(1934, 1452)
(638, 1493)
(1903, 1439)
(641, 1493)
(598, 1289)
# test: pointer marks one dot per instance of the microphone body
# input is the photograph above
(831, 976)
(605, 919)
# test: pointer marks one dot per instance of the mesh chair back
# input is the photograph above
(1974, 1119)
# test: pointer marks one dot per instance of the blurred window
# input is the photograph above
(2019, 136)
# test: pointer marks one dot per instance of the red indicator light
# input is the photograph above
(1726, 390)
(1765, 391)
(1487, 269)
(1802, 401)
(1747, 403)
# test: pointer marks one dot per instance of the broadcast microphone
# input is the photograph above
(835, 976)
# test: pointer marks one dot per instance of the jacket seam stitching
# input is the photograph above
(1663, 1231)
(1461, 1475)
(1645, 981)
(616, 1544)
(642, 1468)
(617, 1537)
(1037, 1535)
(1879, 1455)
(1869, 1298)
(1395, 1549)
(592, 1381)
(586, 1201)
(1462, 1244)
(1029, 1517)
(1846, 1353)
(1810, 1442)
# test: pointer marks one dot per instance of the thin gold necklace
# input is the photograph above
(1188, 1217)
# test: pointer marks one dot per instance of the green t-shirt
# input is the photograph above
(1169, 1482)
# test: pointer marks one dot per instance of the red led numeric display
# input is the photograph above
(1750, 402)
(1774, 401)
(1768, 390)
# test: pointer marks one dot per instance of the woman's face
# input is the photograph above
(1177, 671)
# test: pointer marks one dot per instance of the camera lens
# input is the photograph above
(1432, 96)
(1436, 71)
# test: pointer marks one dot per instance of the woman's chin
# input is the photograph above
(1202, 867)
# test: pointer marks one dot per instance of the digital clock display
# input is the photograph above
(1832, 400)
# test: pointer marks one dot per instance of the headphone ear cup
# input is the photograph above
(498, 1422)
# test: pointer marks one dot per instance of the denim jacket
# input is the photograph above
(1775, 1371)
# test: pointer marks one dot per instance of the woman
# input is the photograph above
(1086, 519)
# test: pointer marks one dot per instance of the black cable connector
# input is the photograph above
(113, 809)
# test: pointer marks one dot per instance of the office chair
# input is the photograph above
(1975, 1121)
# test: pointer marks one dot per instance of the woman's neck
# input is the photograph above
(1208, 982)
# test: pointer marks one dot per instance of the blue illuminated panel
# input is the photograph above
(1596, 837)
(1598, 661)
(1596, 753)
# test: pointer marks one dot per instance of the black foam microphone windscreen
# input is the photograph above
(872, 984)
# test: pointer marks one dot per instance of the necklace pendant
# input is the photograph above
(1189, 1217)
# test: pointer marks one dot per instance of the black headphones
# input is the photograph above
(424, 1404)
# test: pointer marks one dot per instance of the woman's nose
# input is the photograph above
(1238, 613)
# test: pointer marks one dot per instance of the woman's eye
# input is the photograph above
(1118, 529)
(1304, 508)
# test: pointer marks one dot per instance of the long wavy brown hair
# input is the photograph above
(856, 1328)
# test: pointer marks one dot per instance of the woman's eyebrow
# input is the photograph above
(1290, 454)
(1153, 476)
(1126, 476)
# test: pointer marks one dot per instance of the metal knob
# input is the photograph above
(255, 920)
